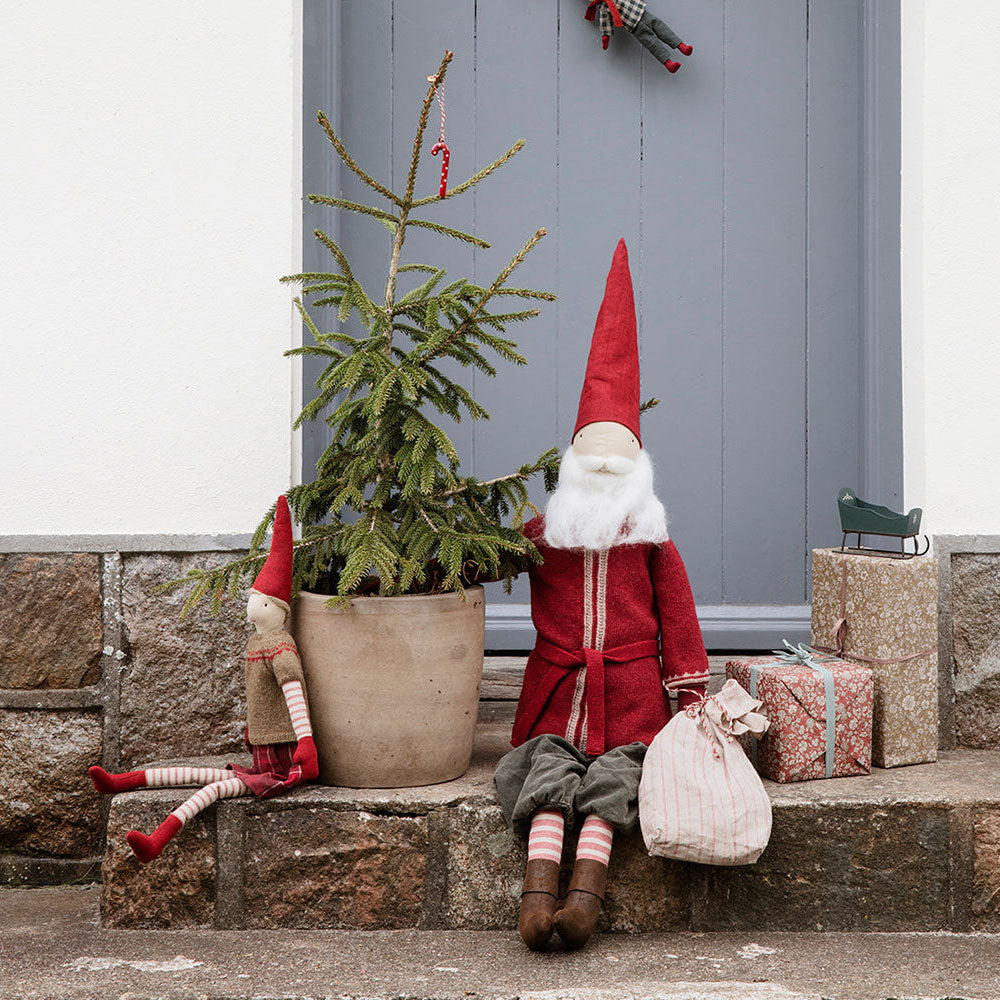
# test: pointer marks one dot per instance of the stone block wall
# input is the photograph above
(969, 640)
(96, 667)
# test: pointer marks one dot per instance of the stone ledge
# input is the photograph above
(51, 699)
(23, 870)
(913, 848)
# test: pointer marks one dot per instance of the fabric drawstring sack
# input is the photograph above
(700, 798)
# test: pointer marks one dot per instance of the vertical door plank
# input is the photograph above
(679, 288)
(516, 98)
(357, 103)
(364, 122)
(764, 300)
(421, 33)
(834, 263)
(320, 173)
(598, 186)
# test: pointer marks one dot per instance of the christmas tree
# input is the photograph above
(389, 511)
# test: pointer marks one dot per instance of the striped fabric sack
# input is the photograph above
(700, 798)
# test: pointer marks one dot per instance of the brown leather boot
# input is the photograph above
(576, 919)
(539, 896)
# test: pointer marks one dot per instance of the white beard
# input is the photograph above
(595, 510)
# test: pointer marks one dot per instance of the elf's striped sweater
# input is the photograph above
(272, 660)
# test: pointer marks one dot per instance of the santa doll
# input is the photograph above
(617, 636)
(278, 731)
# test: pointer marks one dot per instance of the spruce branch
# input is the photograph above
(338, 254)
(475, 178)
(352, 206)
(455, 234)
(348, 159)
(522, 474)
(418, 139)
(492, 290)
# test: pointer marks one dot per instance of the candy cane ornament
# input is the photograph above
(441, 146)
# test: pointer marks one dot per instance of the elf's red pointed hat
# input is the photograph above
(611, 385)
(275, 576)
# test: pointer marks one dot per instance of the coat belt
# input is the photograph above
(562, 661)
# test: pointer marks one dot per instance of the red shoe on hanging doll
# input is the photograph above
(279, 733)
(654, 34)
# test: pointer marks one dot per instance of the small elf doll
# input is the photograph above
(278, 728)
(617, 636)
(656, 35)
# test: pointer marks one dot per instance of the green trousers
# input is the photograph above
(548, 772)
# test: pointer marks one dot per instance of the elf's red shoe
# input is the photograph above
(109, 784)
(604, 41)
(146, 848)
(672, 67)
(686, 49)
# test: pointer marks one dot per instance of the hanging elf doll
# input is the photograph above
(654, 34)
(278, 728)
(617, 636)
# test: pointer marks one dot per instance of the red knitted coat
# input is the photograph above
(595, 675)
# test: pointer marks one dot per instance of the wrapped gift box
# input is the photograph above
(794, 696)
(883, 613)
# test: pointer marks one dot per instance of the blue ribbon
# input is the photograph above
(808, 657)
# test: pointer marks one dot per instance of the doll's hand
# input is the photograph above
(305, 756)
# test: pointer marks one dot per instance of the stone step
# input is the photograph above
(910, 849)
(53, 947)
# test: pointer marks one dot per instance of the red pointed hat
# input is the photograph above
(275, 576)
(611, 385)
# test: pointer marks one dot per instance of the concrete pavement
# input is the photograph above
(52, 946)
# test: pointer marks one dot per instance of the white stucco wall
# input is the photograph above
(150, 194)
(951, 262)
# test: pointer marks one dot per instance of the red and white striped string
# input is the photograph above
(439, 94)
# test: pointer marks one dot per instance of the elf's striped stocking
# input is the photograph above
(148, 848)
(155, 777)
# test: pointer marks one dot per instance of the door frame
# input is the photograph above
(724, 626)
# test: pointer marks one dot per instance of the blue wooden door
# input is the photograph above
(740, 186)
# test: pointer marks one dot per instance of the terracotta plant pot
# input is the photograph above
(393, 685)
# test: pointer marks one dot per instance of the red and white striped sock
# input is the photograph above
(545, 839)
(146, 848)
(228, 788)
(154, 777)
(595, 840)
(164, 777)
(297, 710)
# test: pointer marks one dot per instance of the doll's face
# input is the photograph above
(265, 612)
(604, 444)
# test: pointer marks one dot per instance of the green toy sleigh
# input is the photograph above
(858, 517)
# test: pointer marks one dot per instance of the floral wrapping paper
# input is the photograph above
(890, 608)
(794, 748)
